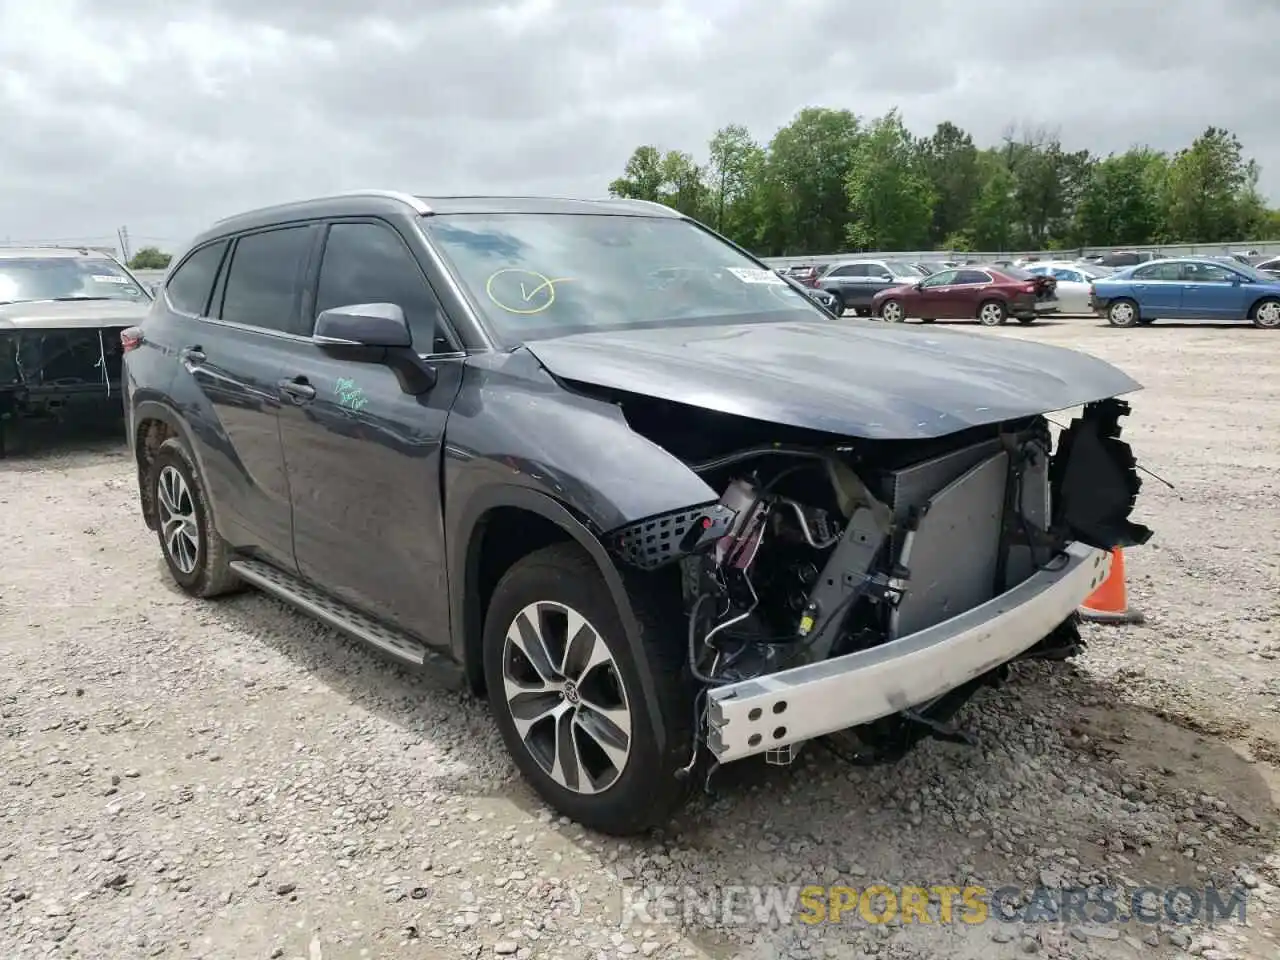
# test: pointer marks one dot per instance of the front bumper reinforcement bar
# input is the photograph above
(791, 706)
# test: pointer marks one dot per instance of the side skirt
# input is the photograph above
(306, 598)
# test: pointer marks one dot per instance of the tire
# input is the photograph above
(992, 313)
(1266, 314)
(538, 596)
(197, 556)
(1123, 313)
(892, 311)
(838, 307)
(862, 311)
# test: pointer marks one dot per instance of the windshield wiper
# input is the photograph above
(71, 299)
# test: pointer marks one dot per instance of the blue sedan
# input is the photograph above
(1187, 288)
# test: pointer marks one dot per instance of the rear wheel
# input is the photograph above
(1266, 314)
(1123, 313)
(199, 560)
(992, 313)
(838, 307)
(891, 311)
(566, 693)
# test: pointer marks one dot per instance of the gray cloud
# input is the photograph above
(164, 118)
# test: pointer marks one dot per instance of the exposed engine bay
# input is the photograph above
(815, 552)
(43, 370)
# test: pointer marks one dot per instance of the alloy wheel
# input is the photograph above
(891, 312)
(1268, 314)
(990, 314)
(178, 524)
(566, 695)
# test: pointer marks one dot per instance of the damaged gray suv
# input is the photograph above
(654, 503)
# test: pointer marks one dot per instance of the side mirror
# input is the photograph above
(376, 332)
(363, 325)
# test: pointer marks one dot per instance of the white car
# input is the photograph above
(1074, 281)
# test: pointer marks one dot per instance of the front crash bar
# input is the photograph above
(772, 711)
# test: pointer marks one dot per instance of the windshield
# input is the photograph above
(1249, 272)
(535, 276)
(25, 279)
(902, 270)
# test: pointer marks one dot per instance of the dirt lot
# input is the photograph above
(230, 780)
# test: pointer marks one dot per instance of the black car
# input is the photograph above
(660, 531)
(854, 283)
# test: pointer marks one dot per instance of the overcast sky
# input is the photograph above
(163, 116)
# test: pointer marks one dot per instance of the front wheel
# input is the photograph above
(567, 695)
(1123, 313)
(892, 311)
(1267, 314)
(992, 313)
(838, 306)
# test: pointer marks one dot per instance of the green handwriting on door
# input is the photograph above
(350, 395)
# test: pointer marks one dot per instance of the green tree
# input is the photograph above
(733, 174)
(890, 194)
(1122, 203)
(1212, 190)
(993, 222)
(642, 177)
(672, 178)
(803, 205)
(951, 163)
(150, 258)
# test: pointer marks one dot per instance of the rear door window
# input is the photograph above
(1159, 271)
(189, 288)
(971, 277)
(264, 283)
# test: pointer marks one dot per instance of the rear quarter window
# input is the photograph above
(190, 286)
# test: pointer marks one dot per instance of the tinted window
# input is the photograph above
(972, 276)
(369, 263)
(1269, 265)
(191, 283)
(1206, 273)
(906, 271)
(265, 278)
(1069, 275)
(941, 279)
(1159, 271)
(855, 271)
(1015, 273)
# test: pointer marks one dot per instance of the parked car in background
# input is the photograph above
(1269, 266)
(660, 533)
(1126, 258)
(61, 313)
(854, 283)
(1074, 283)
(806, 275)
(989, 294)
(1188, 288)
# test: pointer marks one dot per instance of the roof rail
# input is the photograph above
(419, 206)
(644, 203)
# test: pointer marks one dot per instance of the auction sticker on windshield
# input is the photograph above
(757, 276)
(108, 278)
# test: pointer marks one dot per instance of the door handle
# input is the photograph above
(191, 356)
(298, 389)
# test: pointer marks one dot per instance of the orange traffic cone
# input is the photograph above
(1109, 603)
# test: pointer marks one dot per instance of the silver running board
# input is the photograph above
(297, 593)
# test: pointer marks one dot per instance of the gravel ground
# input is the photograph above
(231, 780)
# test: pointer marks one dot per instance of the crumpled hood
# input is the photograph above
(71, 314)
(856, 378)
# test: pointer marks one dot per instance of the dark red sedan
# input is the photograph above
(988, 294)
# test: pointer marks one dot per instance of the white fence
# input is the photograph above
(1167, 250)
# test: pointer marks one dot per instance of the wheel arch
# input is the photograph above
(154, 422)
(502, 525)
(1259, 301)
